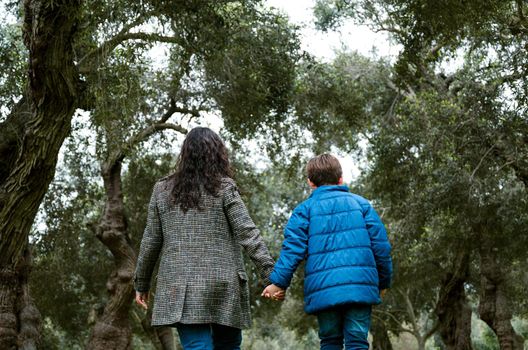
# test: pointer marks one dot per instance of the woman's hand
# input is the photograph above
(274, 292)
(142, 299)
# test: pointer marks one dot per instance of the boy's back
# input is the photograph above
(347, 250)
(347, 256)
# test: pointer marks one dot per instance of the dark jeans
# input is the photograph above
(209, 337)
(350, 323)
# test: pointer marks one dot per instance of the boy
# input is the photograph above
(348, 263)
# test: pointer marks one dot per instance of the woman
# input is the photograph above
(196, 224)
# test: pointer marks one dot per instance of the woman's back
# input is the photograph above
(198, 242)
(201, 277)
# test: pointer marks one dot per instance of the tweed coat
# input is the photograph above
(201, 276)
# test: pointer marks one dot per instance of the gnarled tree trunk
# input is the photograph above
(161, 337)
(51, 101)
(112, 329)
(11, 134)
(454, 314)
(494, 307)
(380, 336)
(19, 318)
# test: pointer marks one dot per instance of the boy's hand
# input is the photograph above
(274, 292)
(142, 299)
(382, 293)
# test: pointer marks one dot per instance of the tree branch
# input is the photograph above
(173, 108)
(432, 331)
(410, 311)
(101, 49)
(171, 126)
(382, 28)
(393, 317)
(396, 330)
(86, 64)
(195, 113)
(481, 161)
(410, 93)
(170, 111)
(119, 154)
(520, 4)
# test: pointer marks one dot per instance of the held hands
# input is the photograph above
(274, 292)
(142, 299)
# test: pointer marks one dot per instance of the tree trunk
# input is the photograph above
(166, 338)
(161, 337)
(27, 173)
(112, 329)
(380, 336)
(454, 314)
(11, 134)
(494, 307)
(421, 343)
(19, 318)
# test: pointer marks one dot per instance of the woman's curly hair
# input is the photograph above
(202, 164)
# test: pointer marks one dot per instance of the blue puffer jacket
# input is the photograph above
(346, 249)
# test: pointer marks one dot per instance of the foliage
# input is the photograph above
(69, 267)
(448, 159)
(13, 67)
(342, 96)
(251, 79)
(444, 150)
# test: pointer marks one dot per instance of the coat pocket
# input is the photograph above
(242, 276)
(244, 290)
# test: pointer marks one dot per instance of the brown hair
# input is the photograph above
(324, 170)
(202, 164)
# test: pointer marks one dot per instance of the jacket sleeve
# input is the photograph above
(150, 247)
(294, 248)
(246, 233)
(380, 245)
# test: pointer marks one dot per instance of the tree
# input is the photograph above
(67, 43)
(437, 150)
(46, 110)
(487, 32)
(68, 251)
(186, 98)
(489, 91)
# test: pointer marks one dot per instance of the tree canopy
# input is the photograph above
(96, 97)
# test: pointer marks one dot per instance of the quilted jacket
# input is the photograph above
(345, 246)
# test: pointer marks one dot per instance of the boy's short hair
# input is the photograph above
(324, 169)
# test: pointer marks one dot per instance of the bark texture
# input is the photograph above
(380, 336)
(31, 138)
(161, 337)
(112, 329)
(452, 309)
(494, 306)
(19, 318)
(11, 136)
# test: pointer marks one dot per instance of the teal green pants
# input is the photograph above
(348, 324)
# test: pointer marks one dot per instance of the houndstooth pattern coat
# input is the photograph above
(201, 276)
